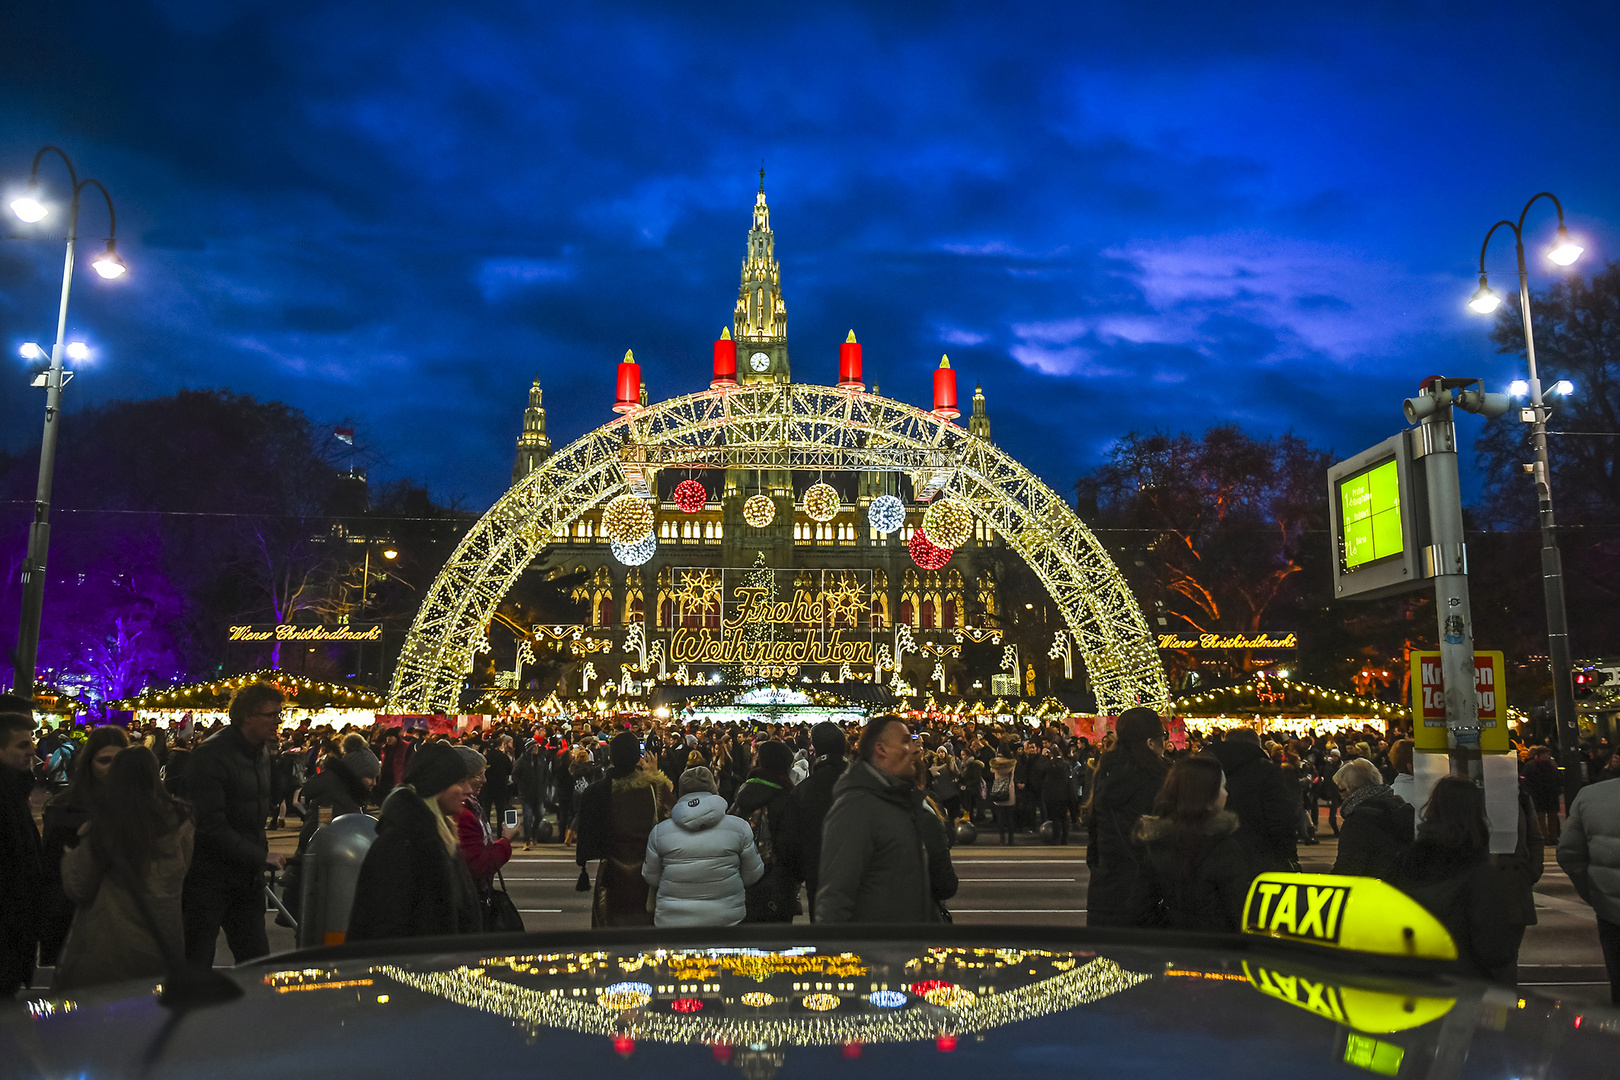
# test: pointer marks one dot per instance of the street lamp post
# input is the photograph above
(30, 209)
(1564, 252)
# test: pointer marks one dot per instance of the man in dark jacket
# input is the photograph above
(228, 779)
(1128, 778)
(1377, 827)
(22, 873)
(1052, 776)
(799, 847)
(1259, 794)
(874, 863)
(414, 882)
(530, 778)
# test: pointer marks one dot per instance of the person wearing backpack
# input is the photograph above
(762, 801)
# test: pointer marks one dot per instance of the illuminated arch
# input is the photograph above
(781, 426)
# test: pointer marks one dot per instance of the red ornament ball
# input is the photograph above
(926, 554)
(690, 496)
(686, 1005)
(624, 1044)
(945, 1043)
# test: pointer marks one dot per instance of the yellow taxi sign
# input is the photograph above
(1377, 1012)
(1358, 913)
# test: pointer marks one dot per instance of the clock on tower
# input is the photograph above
(760, 362)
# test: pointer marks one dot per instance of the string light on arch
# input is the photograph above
(634, 554)
(821, 502)
(886, 514)
(759, 511)
(949, 523)
(627, 519)
(690, 496)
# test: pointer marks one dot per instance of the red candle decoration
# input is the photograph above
(945, 390)
(722, 1053)
(849, 364)
(929, 556)
(945, 1043)
(852, 1049)
(690, 496)
(629, 384)
(624, 1044)
(725, 361)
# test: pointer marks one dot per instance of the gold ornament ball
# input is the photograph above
(759, 511)
(628, 519)
(821, 502)
(948, 523)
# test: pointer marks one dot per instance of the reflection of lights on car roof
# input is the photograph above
(758, 999)
(686, 1005)
(887, 999)
(821, 1002)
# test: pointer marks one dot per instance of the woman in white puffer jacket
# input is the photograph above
(700, 859)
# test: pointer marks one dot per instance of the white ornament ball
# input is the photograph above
(634, 554)
(821, 502)
(886, 514)
(759, 511)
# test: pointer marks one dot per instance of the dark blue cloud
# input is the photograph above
(1111, 216)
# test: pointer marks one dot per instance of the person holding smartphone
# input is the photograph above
(485, 854)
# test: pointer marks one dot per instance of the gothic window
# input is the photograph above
(633, 607)
(987, 593)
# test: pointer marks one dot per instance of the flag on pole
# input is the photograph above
(344, 434)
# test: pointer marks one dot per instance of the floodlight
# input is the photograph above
(1563, 386)
(109, 265)
(1518, 388)
(31, 351)
(78, 350)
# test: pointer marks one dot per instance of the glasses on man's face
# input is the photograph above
(272, 714)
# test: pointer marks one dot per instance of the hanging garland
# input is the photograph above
(759, 511)
(634, 554)
(821, 502)
(926, 554)
(886, 514)
(949, 523)
(690, 496)
(627, 519)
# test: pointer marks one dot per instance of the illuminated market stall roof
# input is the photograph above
(301, 692)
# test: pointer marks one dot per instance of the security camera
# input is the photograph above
(1489, 406)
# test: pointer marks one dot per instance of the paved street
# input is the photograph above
(1036, 884)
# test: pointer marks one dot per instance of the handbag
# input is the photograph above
(501, 915)
(584, 882)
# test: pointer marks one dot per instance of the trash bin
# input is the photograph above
(331, 869)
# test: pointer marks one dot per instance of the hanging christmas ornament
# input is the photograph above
(821, 502)
(690, 496)
(948, 523)
(634, 554)
(627, 519)
(759, 511)
(886, 514)
(926, 554)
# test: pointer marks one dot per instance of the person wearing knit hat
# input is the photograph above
(414, 882)
(484, 851)
(702, 859)
(1128, 780)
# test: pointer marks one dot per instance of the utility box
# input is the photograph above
(331, 870)
(1378, 513)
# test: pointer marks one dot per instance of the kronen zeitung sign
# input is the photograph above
(1261, 639)
(288, 632)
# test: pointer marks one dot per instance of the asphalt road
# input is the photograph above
(1035, 884)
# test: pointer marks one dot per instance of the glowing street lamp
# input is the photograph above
(1563, 252)
(30, 208)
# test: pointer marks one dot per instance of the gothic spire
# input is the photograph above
(760, 312)
(533, 445)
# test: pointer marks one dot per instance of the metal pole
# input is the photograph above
(1447, 557)
(1552, 567)
(39, 533)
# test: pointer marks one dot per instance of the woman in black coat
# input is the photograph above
(414, 882)
(1195, 872)
(1128, 779)
(1377, 826)
(1448, 870)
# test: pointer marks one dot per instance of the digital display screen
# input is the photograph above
(1370, 508)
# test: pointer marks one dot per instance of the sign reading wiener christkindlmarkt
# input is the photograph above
(771, 622)
(1259, 639)
(291, 632)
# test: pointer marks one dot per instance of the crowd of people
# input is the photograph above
(155, 842)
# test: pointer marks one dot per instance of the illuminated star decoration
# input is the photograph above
(821, 502)
(698, 594)
(690, 496)
(845, 601)
(634, 554)
(886, 514)
(759, 511)
(627, 519)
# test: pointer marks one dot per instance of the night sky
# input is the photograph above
(1114, 216)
